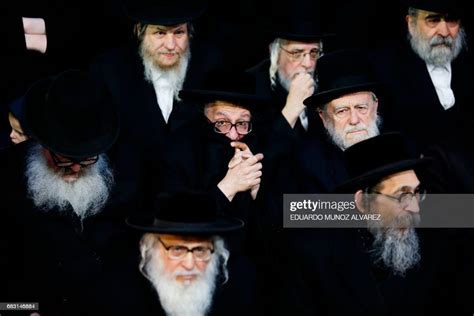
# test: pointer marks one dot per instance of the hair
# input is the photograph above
(413, 12)
(148, 241)
(139, 30)
(275, 49)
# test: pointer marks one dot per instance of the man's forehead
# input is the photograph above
(185, 238)
(300, 45)
(352, 98)
(401, 181)
(167, 28)
(224, 107)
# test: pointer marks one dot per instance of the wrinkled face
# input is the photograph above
(17, 136)
(70, 173)
(432, 24)
(386, 204)
(187, 269)
(166, 44)
(296, 57)
(351, 118)
(221, 113)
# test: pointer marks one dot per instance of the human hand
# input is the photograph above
(35, 34)
(242, 152)
(301, 87)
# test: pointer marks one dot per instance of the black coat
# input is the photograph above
(409, 100)
(68, 266)
(333, 274)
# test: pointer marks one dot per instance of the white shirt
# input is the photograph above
(164, 96)
(441, 78)
(304, 119)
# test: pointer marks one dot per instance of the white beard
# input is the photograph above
(183, 298)
(437, 55)
(343, 143)
(165, 78)
(87, 195)
(395, 250)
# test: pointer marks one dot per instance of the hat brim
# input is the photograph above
(370, 178)
(219, 226)
(43, 129)
(248, 101)
(299, 37)
(324, 97)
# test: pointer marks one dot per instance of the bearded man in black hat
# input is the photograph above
(428, 78)
(388, 268)
(70, 238)
(143, 80)
(184, 257)
(289, 75)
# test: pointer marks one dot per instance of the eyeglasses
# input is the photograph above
(432, 21)
(343, 112)
(71, 161)
(406, 198)
(223, 127)
(298, 55)
(178, 252)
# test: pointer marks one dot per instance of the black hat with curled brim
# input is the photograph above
(235, 87)
(185, 213)
(340, 73)
(164, 12)
(66, 114)
(373, 159)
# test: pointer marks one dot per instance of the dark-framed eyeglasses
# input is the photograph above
(406, 198)
(298, 55)
(64, 162)
(223, 127)
(178, 252)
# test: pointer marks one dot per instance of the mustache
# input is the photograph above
(356, 128)
(440, 40)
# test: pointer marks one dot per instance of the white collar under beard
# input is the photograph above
(343, 143)
(86, 196)
(167, 82)
(181, 299)
(397, 251)
(434, 55)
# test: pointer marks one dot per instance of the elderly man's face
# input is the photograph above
(187, 269)
(437, 38)
(289, 64)
(166, 44)
(68, 174)
(351, 118)
(222, 113)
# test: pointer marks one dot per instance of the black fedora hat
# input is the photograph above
(164, 12)
(187, 213)
(66, 114)
(342, 72)
(369, 161)
(438, 6)
(236, 87)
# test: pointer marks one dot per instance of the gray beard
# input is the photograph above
(86, 196)
(397, 251)
(339, 138)
(434, 55)
(167, 78)
(180, 299)
(286, 82)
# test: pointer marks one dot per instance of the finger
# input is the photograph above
(254, 159)
(240, 146)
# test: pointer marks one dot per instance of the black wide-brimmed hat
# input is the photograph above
(373, 159)
(236, 87)
(164, 12)
(340, 73)
(67, 115)
(187, 213)
(438, 6)
(296, 29)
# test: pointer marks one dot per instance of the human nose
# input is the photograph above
(442, 28)
(354, 118)
(76, 167)
(232, 134)
(413, 205)
(188, 261)
(170, 41)
(306, 61)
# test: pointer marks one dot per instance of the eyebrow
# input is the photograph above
(407, 188)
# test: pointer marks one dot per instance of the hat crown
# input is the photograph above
(375, 153)
(438, 6)
(186, 208)
(230, 82)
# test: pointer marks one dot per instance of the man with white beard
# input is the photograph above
(390, 268)
(184, 257)
(347, 105)
(429, 75)
(70, 241)
(143, 79)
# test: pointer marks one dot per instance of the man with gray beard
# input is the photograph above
(429, 74)
(184, 257)
(390, 268)
(70, 239)
(143, 79)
